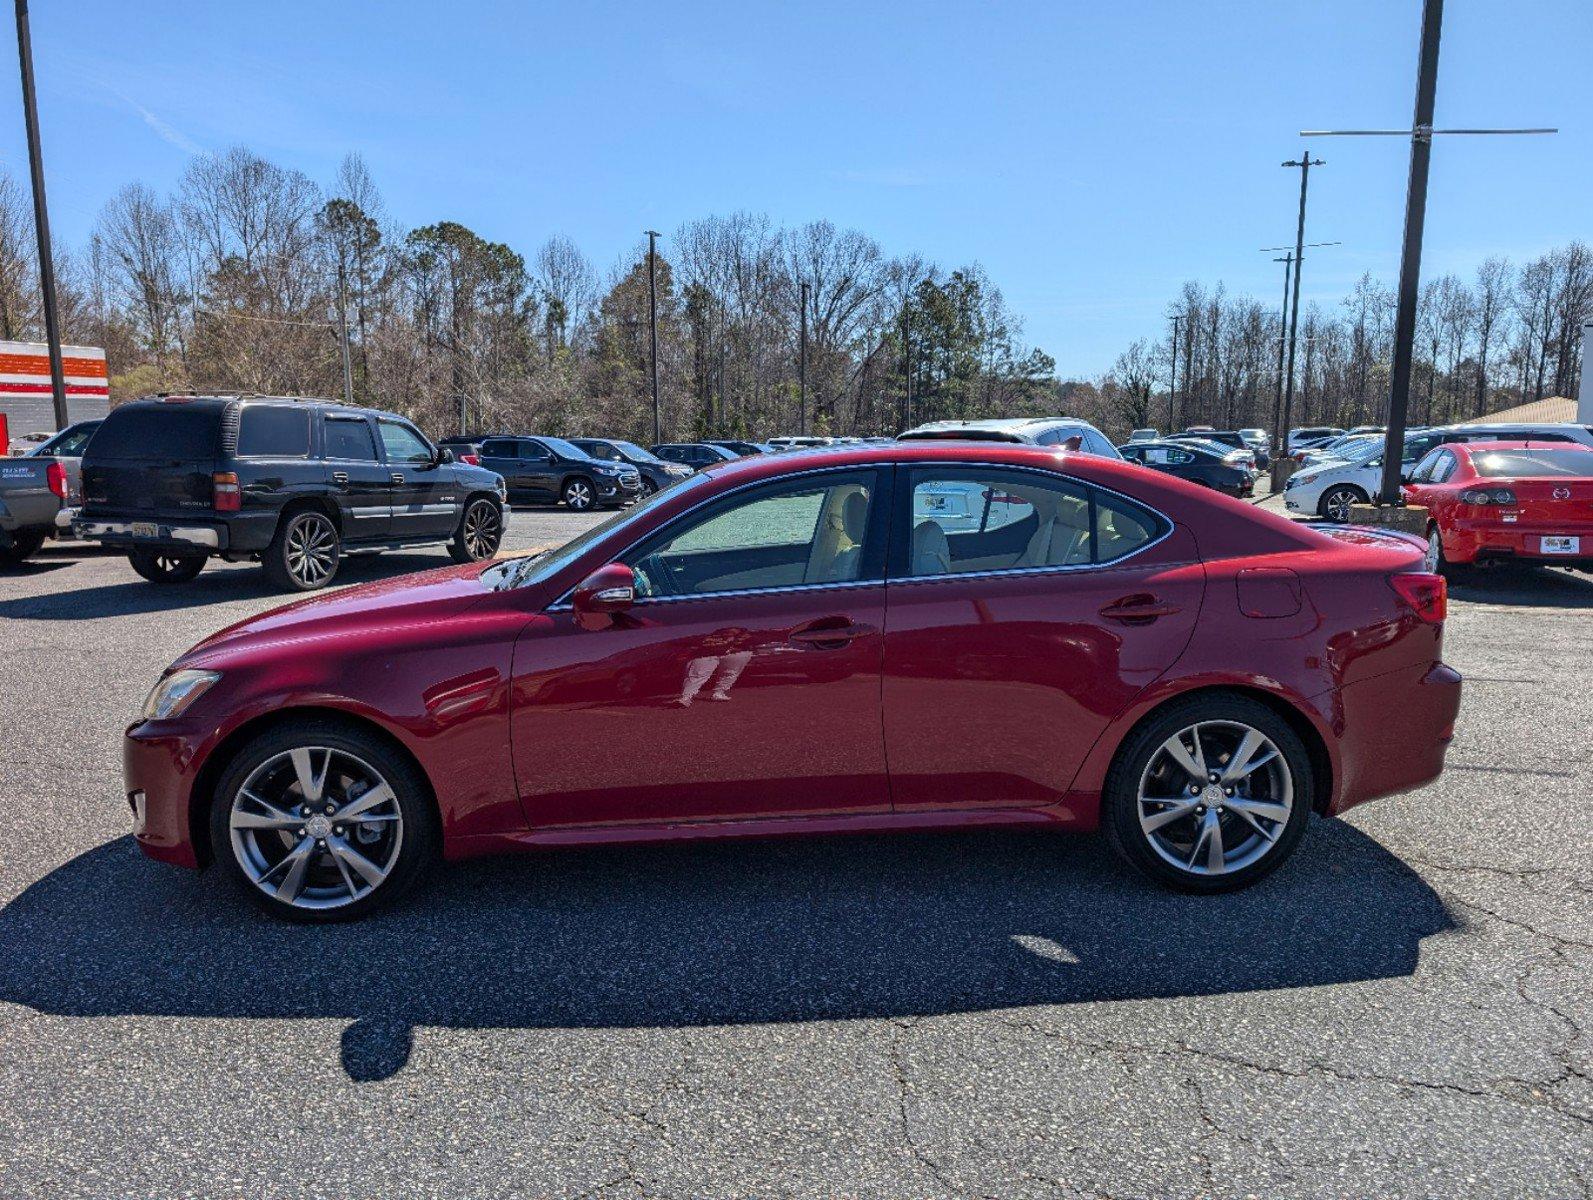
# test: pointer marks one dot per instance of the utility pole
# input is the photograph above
(1172, 388)
(342, 327)
(802, 368)
(41, 218)
(652, 322)
(1410, 260)
(1280, 447)
(1305, 162)
(907, 371)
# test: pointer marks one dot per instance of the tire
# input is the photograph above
(1434, 559)
(305, 553)
(19, 546)
(157, 566)
(578, 494)
(1336, 501)
(648, 488)
(1256, 823)
(480, 532)
(261, 804)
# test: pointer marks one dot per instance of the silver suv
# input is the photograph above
(1039, 431)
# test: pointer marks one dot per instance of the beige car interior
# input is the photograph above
(1061, 536)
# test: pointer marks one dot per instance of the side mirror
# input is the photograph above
(444, 455)
(607, 590)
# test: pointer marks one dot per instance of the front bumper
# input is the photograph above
(157, 778)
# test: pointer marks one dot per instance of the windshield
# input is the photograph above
(635, 453)
(563, 448)
(521, 572)
(1533, 464)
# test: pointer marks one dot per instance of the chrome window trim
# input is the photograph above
(562, 604)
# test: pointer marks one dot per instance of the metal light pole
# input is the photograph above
(1172, 387)
(802, 368)
(652, 322)
(41, 218)
(1410, 260)
(1280, 448)
(1305, 162)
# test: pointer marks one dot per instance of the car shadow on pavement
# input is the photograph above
(710, 934)
(1521, 586)
(214, 585)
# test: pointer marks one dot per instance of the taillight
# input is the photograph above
(1487, 496)
(1427, 595)
(473, 460)
(225, 494)
(55, 476)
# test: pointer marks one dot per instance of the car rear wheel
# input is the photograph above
(1211, 795)
(579, 495)
(1434, 561)
(305, 553)
(1337, 502)
(320, 823)
(17, 546)
(159, 566)
(480, 532)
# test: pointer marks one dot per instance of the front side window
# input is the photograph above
(404, 445)
(348, 439)
(274, 431)
(799, 532)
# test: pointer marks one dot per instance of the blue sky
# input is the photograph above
(1092, 155)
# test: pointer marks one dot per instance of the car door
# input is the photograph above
(503, 456)
(744, 682)
(362, 484)
(540, 469)
(1010, 646)
(426, 499)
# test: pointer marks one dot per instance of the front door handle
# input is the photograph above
(398, 477)
(1137, 610)
(828, 633)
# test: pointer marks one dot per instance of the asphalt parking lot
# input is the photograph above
(1403, 1010)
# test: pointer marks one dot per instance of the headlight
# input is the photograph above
(175, 692)
(1302, 478)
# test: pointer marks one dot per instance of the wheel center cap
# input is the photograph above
(319, 827)
(1211, 796)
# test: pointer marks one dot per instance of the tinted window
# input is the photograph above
(563, 448)
(349, 439)
(498, 448)
(170, 431)
(274, 431)
(799, 532)
(403, 444)
(1122, 527)
(1534, 464)
(599, 450)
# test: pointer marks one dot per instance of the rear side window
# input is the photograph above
(274, 431)
(349, 440)
(170, 431)
(1122, 527)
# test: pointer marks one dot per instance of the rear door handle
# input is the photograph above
(1137, 610)
(828, 633)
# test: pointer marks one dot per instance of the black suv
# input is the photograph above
(293, 483)
(552, 469)
(655, 472)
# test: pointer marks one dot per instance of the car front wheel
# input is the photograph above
(1209, 796)
(579, 496)
(316, 822)
(157, 566)
(479, 534)
(1337, 502)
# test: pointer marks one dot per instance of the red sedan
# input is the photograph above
(882, 637)
(1506, 501)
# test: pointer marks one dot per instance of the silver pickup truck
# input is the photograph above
(33, 491)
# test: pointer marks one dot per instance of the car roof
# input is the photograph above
(997, 423)
(215, 401)
(1512, 444)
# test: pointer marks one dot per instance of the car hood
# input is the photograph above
(431, 596)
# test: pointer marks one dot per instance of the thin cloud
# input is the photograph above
(164, 131)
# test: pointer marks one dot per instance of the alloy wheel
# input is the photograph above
(1215, 797)
(316, 827)
(311, 549)
(483, 529)
(1433, 560)
(578, 495)
(1337, 503)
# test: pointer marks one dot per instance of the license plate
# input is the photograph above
(145, 529)
(1560, 545)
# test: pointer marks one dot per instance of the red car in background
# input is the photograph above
(794, 643)
(1520, 501)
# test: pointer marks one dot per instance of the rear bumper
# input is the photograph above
(186, 536)
(1473, 541)
(1393, 732)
